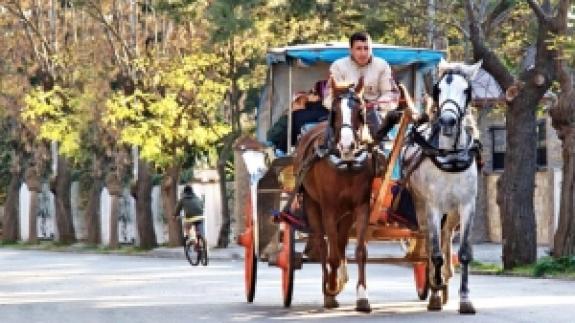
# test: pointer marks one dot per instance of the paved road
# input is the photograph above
(40, 286)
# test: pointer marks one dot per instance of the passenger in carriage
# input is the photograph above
(278, 133)
(311, 114)
(380, 92)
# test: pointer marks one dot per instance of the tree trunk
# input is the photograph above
(517, 184)
(114, 187)
(11, 226)
(563, 120)
(61, 188)
(143, 196)
(564, 243)
(114, 215)
(169, 201)
(33, 182)
(224, 236)
(516, 187)
(92, 213)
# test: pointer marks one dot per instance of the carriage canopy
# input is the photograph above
(296, 68)
(328, 53)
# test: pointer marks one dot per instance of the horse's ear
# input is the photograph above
(442, 66)
(359, 87)
(472, 70)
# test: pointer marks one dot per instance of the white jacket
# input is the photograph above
(378, 83)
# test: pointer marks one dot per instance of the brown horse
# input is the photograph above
(336, 191)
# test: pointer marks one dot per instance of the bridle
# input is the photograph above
(354, 101)
(458, 111)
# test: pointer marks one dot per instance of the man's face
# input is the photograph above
(361, 52)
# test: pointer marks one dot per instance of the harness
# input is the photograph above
(453, 160)
(447, 160)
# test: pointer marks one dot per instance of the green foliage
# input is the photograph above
(56, 115)
(176, 108)
(549, 266)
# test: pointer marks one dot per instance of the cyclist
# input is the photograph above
(193, 212)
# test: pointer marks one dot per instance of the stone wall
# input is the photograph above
(547, 182)
(543, 202)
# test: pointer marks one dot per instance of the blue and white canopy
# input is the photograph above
(329, 52)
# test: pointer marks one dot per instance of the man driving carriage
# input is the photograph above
(380, 91)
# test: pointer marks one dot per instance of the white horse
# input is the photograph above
(439, 161)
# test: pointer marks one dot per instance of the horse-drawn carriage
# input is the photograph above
(266, 183)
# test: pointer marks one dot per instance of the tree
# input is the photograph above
(563, 120)
(51, 49)
(516, 186)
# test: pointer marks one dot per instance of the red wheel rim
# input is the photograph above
(420, 275)
(247, 240)
(285, 262)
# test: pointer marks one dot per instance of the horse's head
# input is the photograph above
(452, 94)
(347, 118)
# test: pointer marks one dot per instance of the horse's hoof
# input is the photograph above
(445, 294)
(435, 303)
(362, 305)
(330, 302)
(466, 308)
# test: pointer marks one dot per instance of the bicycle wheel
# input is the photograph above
(203, 251)
(192, 253)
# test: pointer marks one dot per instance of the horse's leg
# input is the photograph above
(343, 229)
(436, 257)
(314, 217)
(465, 256)
(361, 223)
(332, 287)
(447, 228)
(420, 248)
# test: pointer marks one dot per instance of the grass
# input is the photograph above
(481, 267)
(77, 247)
(563, 267)
(547, 267)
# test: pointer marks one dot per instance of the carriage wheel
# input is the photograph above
(286, 263)
(250, 268)
(247, 240)
(421, 281)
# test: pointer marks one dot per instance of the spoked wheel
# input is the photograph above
(421, 280)
(247, 240)
(203, 246)
(193, 254)
(286, 263)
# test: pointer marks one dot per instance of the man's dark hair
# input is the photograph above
(188, 189)
(359, 36)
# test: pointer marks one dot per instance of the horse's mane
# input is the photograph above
(308, 142)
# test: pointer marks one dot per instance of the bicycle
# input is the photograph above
(195, 247)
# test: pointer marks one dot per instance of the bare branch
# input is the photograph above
(497, 15)
(543, 18)
(491, 62)
(19, 12)
(461, 29)
(560, 21)
(99, 16)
